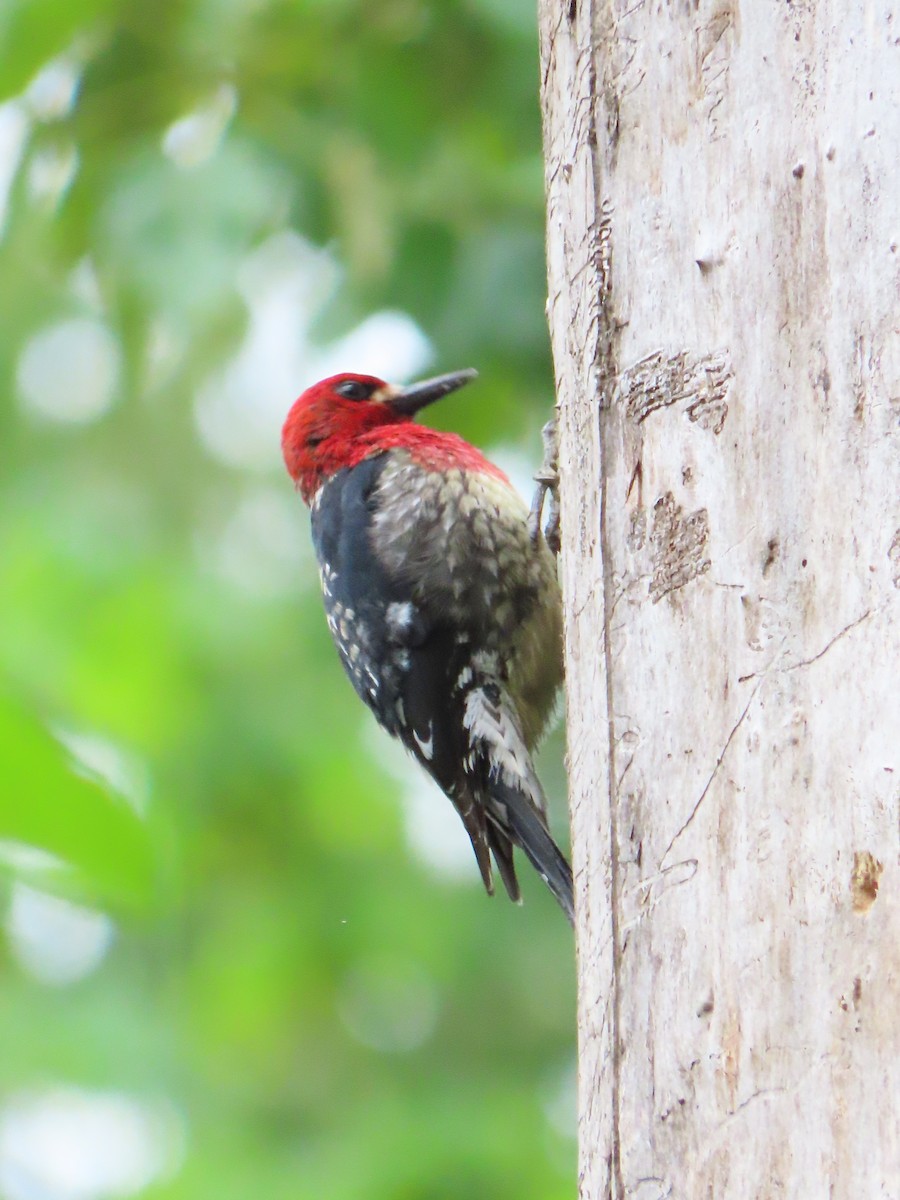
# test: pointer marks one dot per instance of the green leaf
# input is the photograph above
(45, 803)
(33, 31)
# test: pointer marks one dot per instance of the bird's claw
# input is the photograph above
(547, 480)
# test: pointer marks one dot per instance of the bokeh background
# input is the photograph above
(244, 950)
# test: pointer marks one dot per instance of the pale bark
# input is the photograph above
(723, 218)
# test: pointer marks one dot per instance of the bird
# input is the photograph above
(443, 603)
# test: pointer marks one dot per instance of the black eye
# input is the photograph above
(354, 389)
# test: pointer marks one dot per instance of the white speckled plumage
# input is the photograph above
(444, 606)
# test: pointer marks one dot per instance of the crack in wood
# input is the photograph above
(806, 662)
(715, 771)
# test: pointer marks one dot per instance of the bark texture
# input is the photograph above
(723, 206)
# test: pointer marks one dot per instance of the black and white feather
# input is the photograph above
(446, 617)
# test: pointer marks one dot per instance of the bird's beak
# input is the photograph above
(408, 401)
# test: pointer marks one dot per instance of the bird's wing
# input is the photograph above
(399, 655)
(405, 656)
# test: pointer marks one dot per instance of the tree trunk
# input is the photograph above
(723, 201)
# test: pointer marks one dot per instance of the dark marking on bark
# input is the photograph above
(678, 544)
(894, 557)
(706, 1007)
(637, 477)
(864, 880)
(700, 385)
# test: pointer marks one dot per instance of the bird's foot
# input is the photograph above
(547, 480)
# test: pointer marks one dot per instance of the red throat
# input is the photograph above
(429, 448)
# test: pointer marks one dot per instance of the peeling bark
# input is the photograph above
(723, 271)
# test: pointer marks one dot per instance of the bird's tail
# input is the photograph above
(511, 795)
(525, 827)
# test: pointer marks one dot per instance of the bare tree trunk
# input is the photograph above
(723, 217)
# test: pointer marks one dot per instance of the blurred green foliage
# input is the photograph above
(327, 1015)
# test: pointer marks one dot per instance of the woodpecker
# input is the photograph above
(443, 604)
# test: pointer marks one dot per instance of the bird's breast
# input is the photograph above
(460, 541)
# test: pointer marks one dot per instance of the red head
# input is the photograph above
(342, 420)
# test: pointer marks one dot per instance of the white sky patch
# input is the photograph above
(560, 1100)
(32, 865)
(261, 549)
(285, 283)
(51, 172)
(434, 832)
(65, 1143)
(50, 96)
(100, 757)
(166, 350)
(55, 941)
(85, 284)
(388, 1005)
(193, 139)
(519, 466)
(14, 130)
(22, 857)
(388, 344)
(52, 93)
(69, 371)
